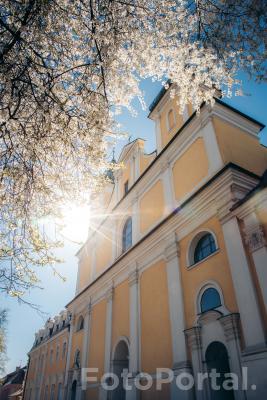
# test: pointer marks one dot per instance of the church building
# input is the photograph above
(172, 279)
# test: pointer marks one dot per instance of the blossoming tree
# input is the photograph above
(66, 68)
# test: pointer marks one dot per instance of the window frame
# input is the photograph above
(126, 187)
(210, 284)
(64, 350)
(170, 127)
(80, 324)
(125, 244)
(193, 244)
(199, 250)
(208, 289)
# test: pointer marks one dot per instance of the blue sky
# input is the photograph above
(23, 321)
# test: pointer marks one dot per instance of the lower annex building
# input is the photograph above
(175, 275)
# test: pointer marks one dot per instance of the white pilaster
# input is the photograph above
(230, 324)
(244, 289)
(134, 332)
(86, 336)
(185, 113)
(132, 172)
(135, 221)
(134, 322)
(108, 336)
(103, 394)
(166, 175)
(114, 238)
(176, 307)
(93, 260)
(256, 241)
(72, 326)
(212, 148)
(195, 344)
(86, 341)
(158, 135)
(136, 165)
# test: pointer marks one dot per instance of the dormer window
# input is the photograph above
(171, 119)
(126, 187)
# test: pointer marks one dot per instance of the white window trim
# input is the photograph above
(174, 119)
(207, 285)
(192, 246)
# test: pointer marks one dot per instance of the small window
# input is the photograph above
(57, 353)
(80, 324)
(77, 359)
(127, 235)
(59, 392)
(46, 393)
(171, 119)
(64, 350)
(51, 357)
(210, 299)
(205, 246)
(52, 393)
(126, 187)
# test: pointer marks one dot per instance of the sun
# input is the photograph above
(76, 222)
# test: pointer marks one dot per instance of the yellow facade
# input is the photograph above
(141, 290)
(97, 342)
(85, 271)
(103, 251)
(151, 206)
(155, 346)
(190, 169)
(145, 161)
(215, 268)
(120, 320)
(239, 147)
(169, 127)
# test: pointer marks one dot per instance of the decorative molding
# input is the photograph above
(231, 327)
(172, 250)
(194, 339)
(110, 293)
(256, 239)
(164, 165)
(209, 316)
(133, 277)
(182, 365)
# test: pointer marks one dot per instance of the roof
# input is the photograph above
(162, 92)
(258, 188)
(17, 393)
(159, 96)
(126, 148)
(15, 377)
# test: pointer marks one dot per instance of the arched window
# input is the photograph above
(77, 359)
(52, 392)
(59, 392)
(127, 235)
(64, 350)
(80, 323)
(205, 246)
(46, 393)
(51, 356)
(210, 299)
(171, 119)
